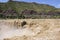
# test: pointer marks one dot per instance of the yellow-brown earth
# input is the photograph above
(35, 29)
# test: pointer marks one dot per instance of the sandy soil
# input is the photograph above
(35, 29)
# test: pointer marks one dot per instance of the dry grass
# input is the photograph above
(36, 29)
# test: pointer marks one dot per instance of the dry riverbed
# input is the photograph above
(34, 29)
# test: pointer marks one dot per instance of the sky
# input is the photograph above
(55, 3)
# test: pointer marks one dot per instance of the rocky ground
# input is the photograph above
(33, 29)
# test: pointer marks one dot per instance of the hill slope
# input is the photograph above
(19, 8)
(23, 5)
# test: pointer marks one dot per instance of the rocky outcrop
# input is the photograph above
(1, 11)
(53, 13)
(29, 12)
(10, 12)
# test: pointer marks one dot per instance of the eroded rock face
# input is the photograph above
(29, 12)
(9, 12)
(35, 29)
(1, 11)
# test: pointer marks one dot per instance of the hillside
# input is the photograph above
(16, 9)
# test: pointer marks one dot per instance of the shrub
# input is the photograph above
(23, 23)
